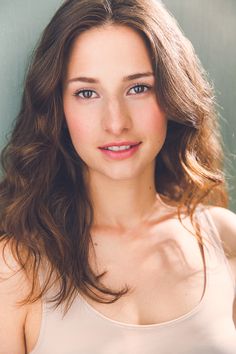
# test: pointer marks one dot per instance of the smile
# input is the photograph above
(120, 152)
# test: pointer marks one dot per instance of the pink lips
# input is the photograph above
(122, 154)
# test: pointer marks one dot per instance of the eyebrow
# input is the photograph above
(126, 78)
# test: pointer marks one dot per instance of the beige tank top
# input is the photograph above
(207, 329)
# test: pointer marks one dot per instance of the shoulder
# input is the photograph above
(225, 222)
(13, 289)
(13, 276)
(14, 283)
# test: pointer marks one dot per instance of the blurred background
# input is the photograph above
(209, 24)
(211, 27)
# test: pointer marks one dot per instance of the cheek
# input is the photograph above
(153, 121)
(77, 124)
(80, 134)
(77, 130)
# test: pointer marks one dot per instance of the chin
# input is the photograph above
(122, 174)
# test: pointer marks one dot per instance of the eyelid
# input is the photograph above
(77, 92)
(141, 84)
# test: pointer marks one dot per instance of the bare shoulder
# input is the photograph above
(14, 286)
(225, 222)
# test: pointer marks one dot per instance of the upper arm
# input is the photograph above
(13, 288)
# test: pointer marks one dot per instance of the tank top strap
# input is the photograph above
(207, 223)
(215, 242)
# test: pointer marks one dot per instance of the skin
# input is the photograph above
(124, 198)
(124, 194)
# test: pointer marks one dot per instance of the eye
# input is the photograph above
(139, 88)
(86, 94)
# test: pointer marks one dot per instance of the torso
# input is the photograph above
(162, 262)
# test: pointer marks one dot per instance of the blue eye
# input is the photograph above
(138, 86)
(87, 94)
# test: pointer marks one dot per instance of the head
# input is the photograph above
(45, 159)
(115, 109)
(182, 93)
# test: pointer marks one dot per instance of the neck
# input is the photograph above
(122, 204)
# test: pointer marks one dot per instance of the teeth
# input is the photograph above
(118, 148)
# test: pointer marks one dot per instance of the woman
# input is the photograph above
(115, 232)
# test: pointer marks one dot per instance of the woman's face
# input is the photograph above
(102, 107)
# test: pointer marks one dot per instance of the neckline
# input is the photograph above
(164, 324)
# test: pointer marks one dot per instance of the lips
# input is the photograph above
(120, 153)
(131, 143)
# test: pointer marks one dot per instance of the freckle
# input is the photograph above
(95, 243)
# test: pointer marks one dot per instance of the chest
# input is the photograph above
(164, 272)
(164, 268)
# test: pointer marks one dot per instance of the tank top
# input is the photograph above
(208, 328)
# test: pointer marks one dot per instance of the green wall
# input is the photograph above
(209, 24)
(211, 27)
(21, 22)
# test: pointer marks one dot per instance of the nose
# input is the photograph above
(116, 118)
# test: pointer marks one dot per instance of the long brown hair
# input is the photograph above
(45, 209)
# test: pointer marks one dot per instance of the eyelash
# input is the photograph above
(87, 90)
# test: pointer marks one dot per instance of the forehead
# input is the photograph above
(109, 47)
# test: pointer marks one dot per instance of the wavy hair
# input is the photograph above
(43, 187)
